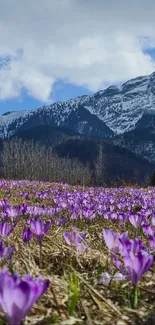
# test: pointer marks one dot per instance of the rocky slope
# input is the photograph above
(124, 116)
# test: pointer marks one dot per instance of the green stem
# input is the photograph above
(135, 297)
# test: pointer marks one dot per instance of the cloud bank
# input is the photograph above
(85, 42)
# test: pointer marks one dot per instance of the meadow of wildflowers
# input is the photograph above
(76, 255)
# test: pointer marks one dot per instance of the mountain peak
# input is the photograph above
(8, 113)
(111, 111)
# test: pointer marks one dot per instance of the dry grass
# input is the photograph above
(97, 304)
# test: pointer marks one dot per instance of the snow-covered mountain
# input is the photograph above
(124, 115)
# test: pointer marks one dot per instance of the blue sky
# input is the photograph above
(151, 52)
(61, 91)
(50, 51)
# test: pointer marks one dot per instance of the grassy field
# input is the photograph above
(75, 294)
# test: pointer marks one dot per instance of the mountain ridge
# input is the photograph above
(113, 114)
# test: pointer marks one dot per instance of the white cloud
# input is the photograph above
(86, 42)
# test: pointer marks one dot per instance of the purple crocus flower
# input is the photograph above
(17, 296)
(111, 239)
(60, 221)
(4, 204)
(39, 229)
(106, 278)
(75, 240)
(148, 230)
(89, 214)
(118, 277)
(119, 265)
(27, 235)
(14, 213)
(153, 221)
(23, 208)
(130, 246)
(136, 267)
(4, 216)
(5, 252)
(152, 242)
(135, 220)
(123, 237)
(5, 229)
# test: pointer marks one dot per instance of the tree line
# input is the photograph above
(27, 159)
(30, 160)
